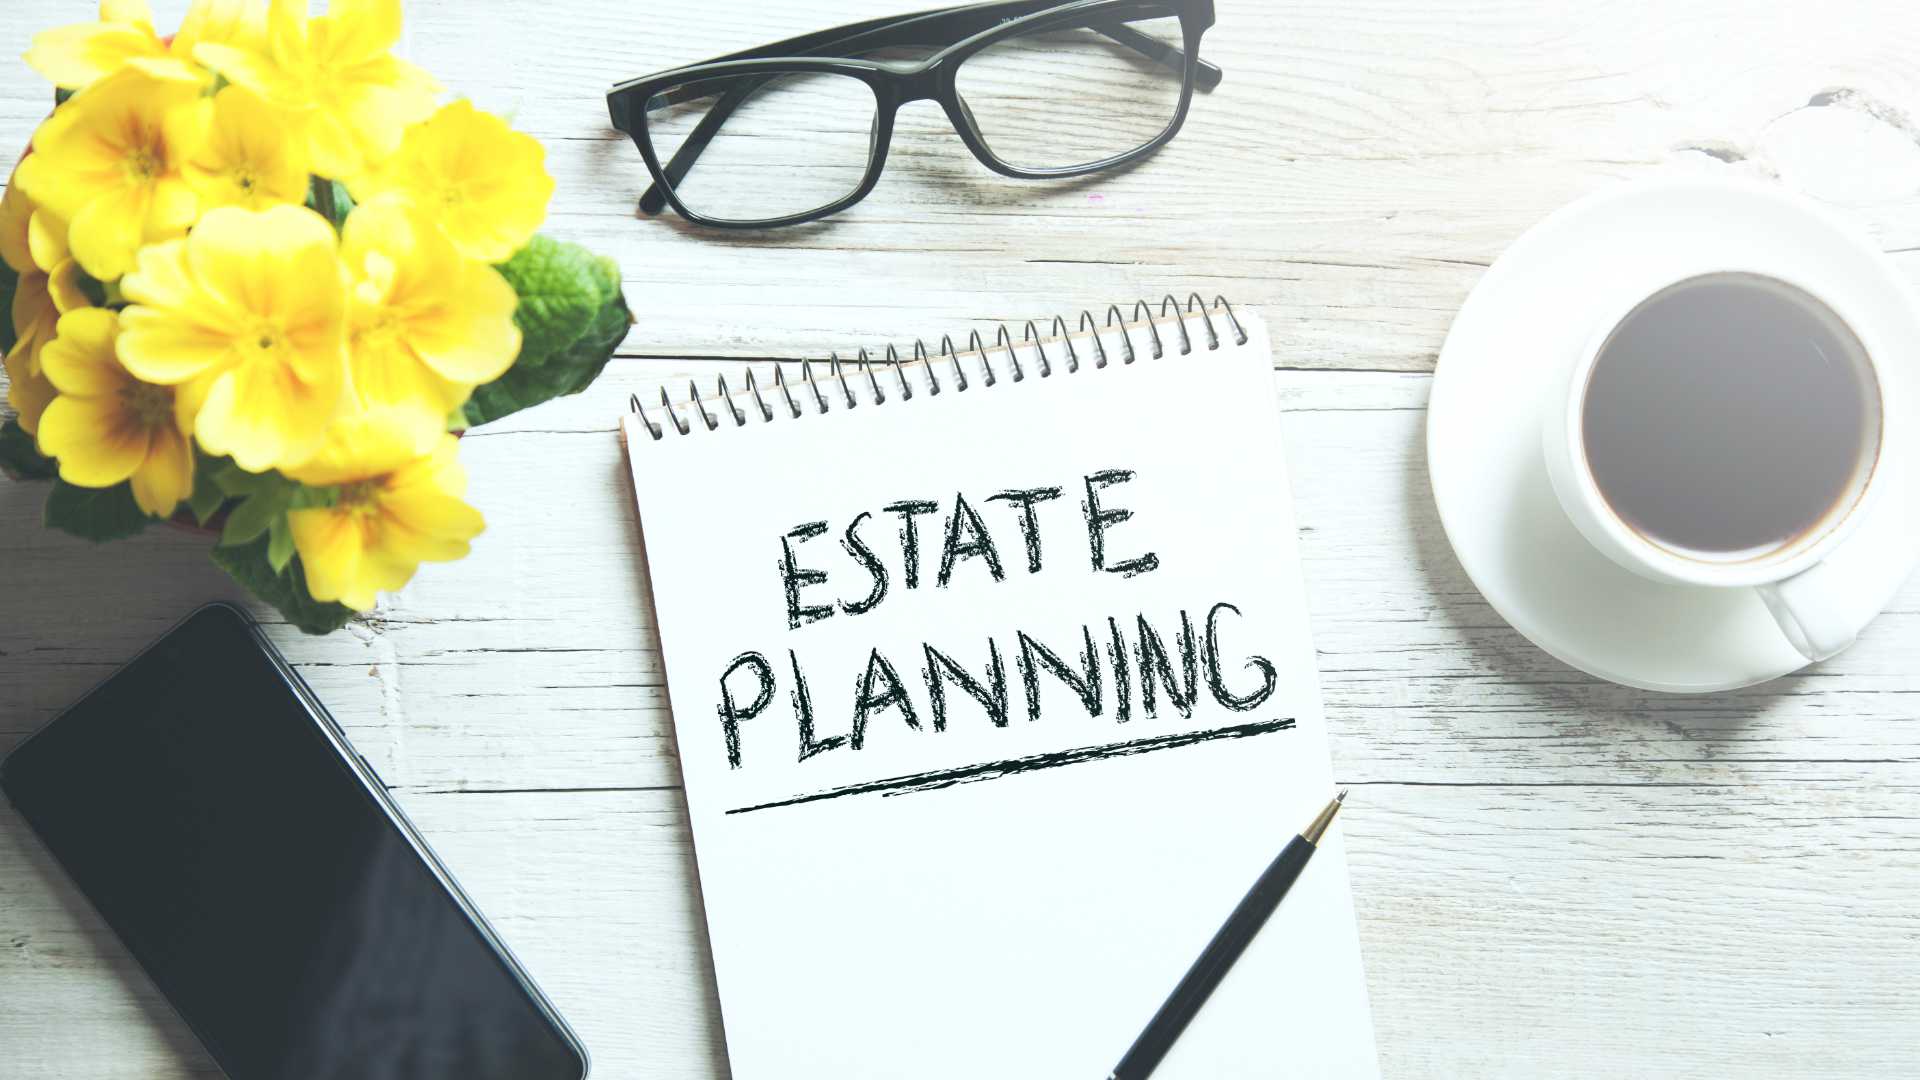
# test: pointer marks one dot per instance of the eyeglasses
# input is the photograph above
(799, 129)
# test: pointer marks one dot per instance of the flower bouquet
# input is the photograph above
(260, 278)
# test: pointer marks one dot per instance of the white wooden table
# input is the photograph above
(1556, 877)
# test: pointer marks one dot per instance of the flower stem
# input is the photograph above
(322, 191)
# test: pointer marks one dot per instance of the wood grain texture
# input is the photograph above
(1556, 877)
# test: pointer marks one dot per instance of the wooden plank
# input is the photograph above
(534, 663)
(1524, 931)
(1357, 168)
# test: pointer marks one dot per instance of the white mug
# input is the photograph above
(1817, 586)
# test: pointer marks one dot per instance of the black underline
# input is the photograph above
(994, 770)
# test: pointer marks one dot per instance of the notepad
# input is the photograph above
(993, 692)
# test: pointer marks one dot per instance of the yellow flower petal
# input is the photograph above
(235, 22)
(280, 263)
(264, 417)
(398, 505)
(66, 285)
(34, 318)
(126, 11)
(386, 374)
(247, 160)
(16, 217)
(172, 332)
(437, 526)
(166, 476)
(107, 231)
(485, 183)
(80, 359)
(164, 279)
(28, 391)
(246, 316)
(367, 444)
(254, 70)
(331, 546)
(173, 210)
(47, 240)
(476, 340)
(439, 471)
(73, 57)
(72, 135)
(357, 29)
(377, 108)
(161, 349)
(426, 324)
(189, 396)
(350, 100)
(108, 161)
(95, 438)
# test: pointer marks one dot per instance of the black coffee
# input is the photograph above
(1730, 415)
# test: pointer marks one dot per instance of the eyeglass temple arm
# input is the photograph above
(876, 34)
(1206, 77)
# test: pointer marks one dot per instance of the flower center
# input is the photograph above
(243, 178)
(263, 339)
(151, 406)
(361, 496)
(382, 331)
(143, 164)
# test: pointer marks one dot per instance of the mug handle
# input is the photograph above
(1823, 608)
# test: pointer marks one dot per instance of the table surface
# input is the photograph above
(1555, 877)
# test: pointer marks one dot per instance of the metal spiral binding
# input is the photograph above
(1058, 336)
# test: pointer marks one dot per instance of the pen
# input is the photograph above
(1228, 943)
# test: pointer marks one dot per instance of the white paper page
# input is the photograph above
(1023, 908)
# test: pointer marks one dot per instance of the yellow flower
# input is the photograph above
(108, 161)
(351, 99)
(32, 244)
(34, 319)
(246, 316)
(425, 325)
(16, 222)
(73, 57)
(106, 426)
(485, 183)
(400, 505)
(246, 159)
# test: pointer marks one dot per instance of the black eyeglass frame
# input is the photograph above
(975, 26)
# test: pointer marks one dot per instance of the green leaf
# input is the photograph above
(308, 498)
(255, 515)
(572, 316)
(264, 499)
(207, 498)
(329, 199)
(280, 544)
(285, 589)
(95, 513)
(239, 483)
(20, 457)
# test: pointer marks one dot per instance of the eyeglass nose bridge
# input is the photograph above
(916, 82)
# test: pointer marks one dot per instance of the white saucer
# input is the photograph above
(1534, 307)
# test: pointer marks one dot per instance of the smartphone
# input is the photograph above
(254, 864)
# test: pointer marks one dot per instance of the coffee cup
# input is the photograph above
(1729, 428)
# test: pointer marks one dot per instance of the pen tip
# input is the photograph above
(1315, 831)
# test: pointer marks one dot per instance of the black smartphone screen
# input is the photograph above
(218, 827)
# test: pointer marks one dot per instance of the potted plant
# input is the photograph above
(260, 277)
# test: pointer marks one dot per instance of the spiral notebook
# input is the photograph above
(993, 692)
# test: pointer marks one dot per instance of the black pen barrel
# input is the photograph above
(1215, 961)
